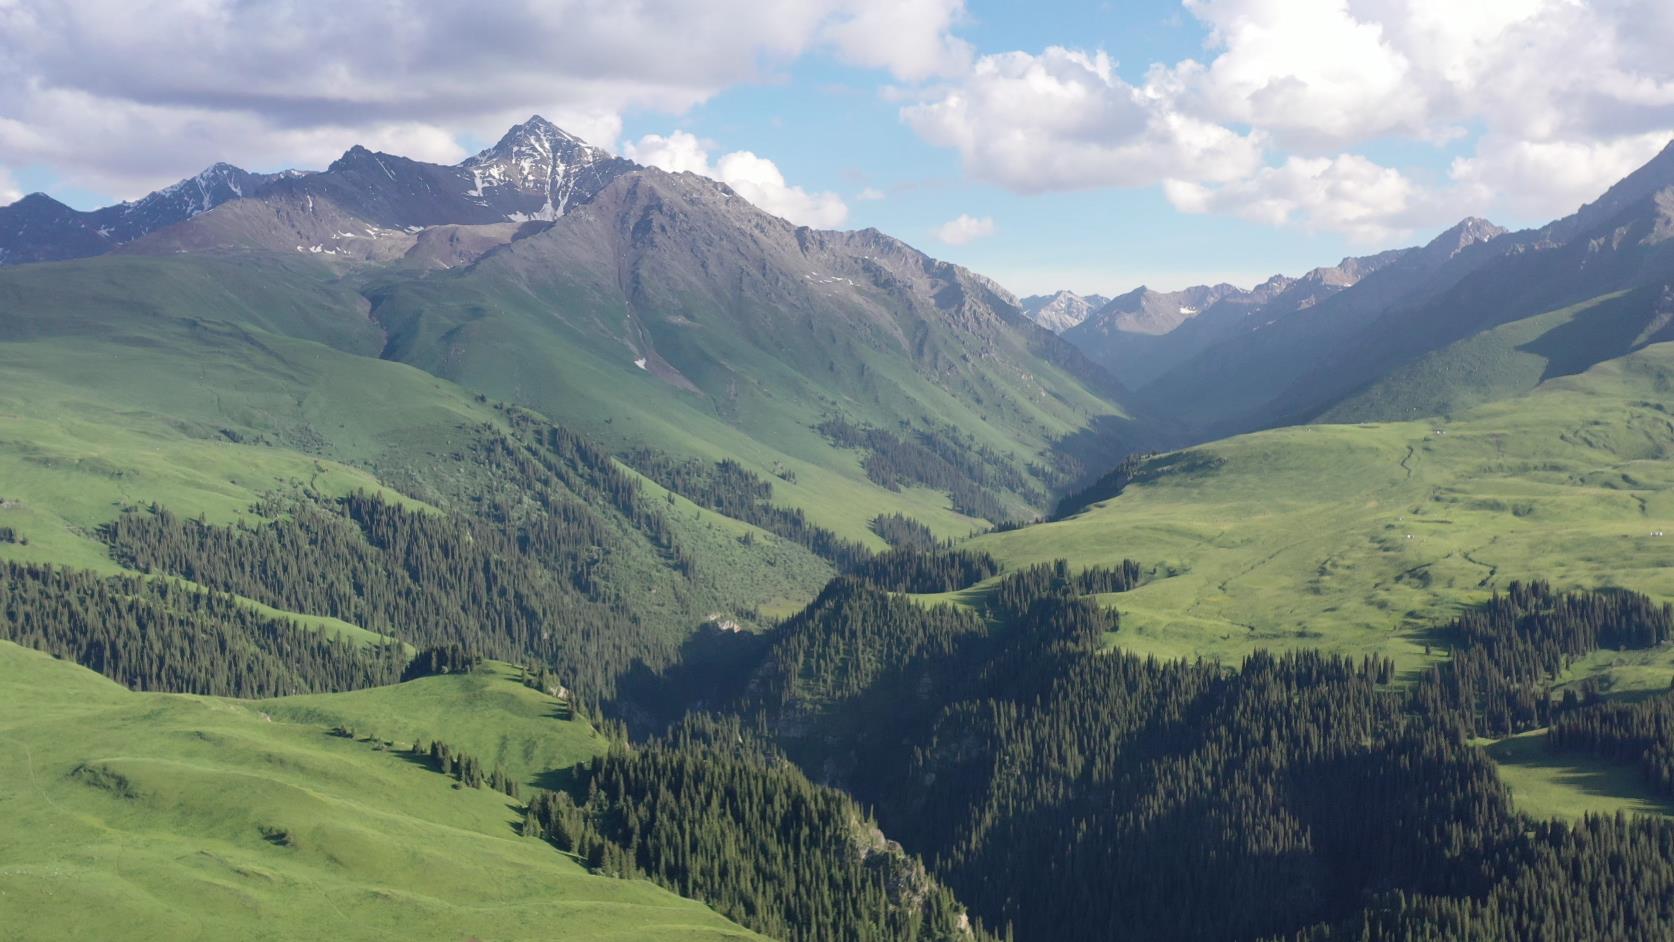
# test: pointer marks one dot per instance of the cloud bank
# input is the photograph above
(122, 96)
(1557, 98)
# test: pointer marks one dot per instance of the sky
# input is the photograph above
(1093, 146)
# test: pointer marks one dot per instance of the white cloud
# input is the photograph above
(1546, 178)
(1558, 98)
(870, 194)
(1065, 120)
(757, 179)
(963, 229)
(9, 190)
(1347, 194)
(912, 40)
(124, 99)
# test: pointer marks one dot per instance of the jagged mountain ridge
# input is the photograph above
(1141, 335)
(1061, 310)
(38, 228)
(366, 205)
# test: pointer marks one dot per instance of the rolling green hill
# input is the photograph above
(1514, 358)
(158, 816)
(1357, 538)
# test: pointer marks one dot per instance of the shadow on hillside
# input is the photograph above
(1579, 771)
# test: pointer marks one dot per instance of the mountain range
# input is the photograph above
(548, 546)
(1220, 359)
(663, 311)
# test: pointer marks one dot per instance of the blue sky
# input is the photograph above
(1090, 146)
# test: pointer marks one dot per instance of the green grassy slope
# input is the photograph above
(1510, 359)
(1359, 538)
(487, 713)
(155, 816)
(1545, 784)
(119, 388)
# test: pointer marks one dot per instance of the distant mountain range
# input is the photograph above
(1334, 342)
(681, 276)
(1059, 312)
(38, 228)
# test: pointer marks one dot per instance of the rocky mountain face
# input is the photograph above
(1332, 334)
(366, 206)
(538, 170)
(38, 228)
(1063, 310)
(1141, 335)
(1207, 353)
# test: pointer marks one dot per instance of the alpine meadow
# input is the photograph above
(837, 471)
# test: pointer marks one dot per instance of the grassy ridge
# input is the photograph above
(155, 816)
(1358, 539)
(1508, 360)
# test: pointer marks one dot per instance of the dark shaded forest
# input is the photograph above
(153, 634)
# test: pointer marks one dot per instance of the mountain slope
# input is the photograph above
(1228, 384)
(1514, 358)
(158, 816)
(1471, 279)
(1063, 310)
(669, 313)
(38, 228)
(1621, 242)
(1358, 538)
(372, 206)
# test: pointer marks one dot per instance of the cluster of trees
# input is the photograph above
(516, 591)
(543, 470)
(945, 570)
(711, 814)
(155, 634)
(1508, 654)
(1598, 878)
(465, 768)
(442, 659)
(1016, 593)
(8, 535)
(853, 639)
(1641, 732)
(729, 488)
(904, 533)
(942, 459)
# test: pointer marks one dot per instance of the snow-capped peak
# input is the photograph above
(537, 157)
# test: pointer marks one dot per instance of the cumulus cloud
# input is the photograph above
(1545, 178)
(1065, 120)
(124, 99)
(912, 40)
(963, 229)
(1348, 194)
(755, 178)
(1558, 98)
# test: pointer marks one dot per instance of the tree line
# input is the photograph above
(516, 591)
(941, 459)
(729, 488)
(155, 634)
(711, 813)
